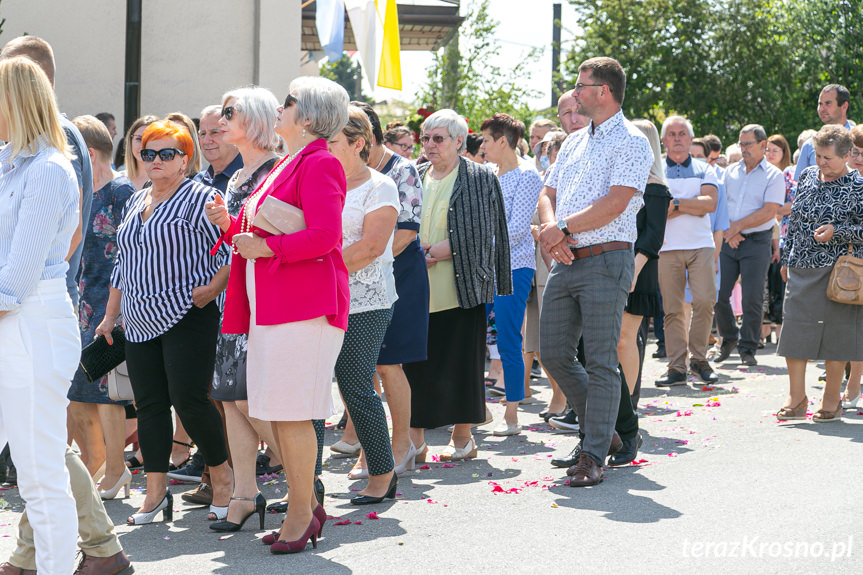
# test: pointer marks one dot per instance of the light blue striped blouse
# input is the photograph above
(38, 215)
(161, 260)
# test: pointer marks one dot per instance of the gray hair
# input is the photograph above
(323, 103)
(452, 121)
(836, 136)
(671, 119)
(756, 130)
(258, 106)
(211, 109)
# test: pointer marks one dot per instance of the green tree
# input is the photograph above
(726, 63)
(347, 73)
(463, 75)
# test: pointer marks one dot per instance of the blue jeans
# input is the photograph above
(509, 319)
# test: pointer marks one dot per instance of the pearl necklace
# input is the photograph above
(246, 221)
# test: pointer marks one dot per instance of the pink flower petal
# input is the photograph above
(345, 522)
(372, 515)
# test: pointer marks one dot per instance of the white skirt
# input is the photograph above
(289, 367)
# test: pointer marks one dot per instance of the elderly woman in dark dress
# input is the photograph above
(826, 222)
(464, 234)
(248, 122)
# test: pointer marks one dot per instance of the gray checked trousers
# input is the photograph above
(586, 300)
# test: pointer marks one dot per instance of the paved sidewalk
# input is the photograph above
(722, 488)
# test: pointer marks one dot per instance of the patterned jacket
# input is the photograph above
(477, 234)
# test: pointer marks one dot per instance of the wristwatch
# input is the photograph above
(676, 205)
(561, 225)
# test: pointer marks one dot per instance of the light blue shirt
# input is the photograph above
(520, 188)
(807, 154)
(748, 192)
(38, 215)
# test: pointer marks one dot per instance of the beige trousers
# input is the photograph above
(673, 268)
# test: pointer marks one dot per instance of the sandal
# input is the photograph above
(134, 463)
(823, 416)
(172, 466)
(796, 412)
(489, 382)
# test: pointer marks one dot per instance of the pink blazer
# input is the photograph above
(307, 277)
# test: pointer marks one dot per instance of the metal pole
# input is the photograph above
(132, 94)
(555, 54)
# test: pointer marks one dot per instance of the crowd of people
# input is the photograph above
(314, 247)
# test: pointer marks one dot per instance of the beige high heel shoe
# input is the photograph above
(122, 483)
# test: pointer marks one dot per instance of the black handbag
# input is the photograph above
(98, 358)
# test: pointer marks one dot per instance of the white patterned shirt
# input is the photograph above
(520, 187)
(589, 163)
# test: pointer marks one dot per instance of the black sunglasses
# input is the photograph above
(290, 101)
(228, 112)
(165, 154)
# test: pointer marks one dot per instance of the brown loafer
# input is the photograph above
(586, 472)
(796, 412)
(9, 569)
(201, 495)
(823, 416)
(116, 564)
(616, 444)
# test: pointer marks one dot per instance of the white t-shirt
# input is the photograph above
(374, 286)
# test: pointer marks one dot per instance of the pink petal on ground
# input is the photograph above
(639, 462)
(432, 501)
(345, 522)
(426, 466)
(372, 515)
(358, 522)
(672, 454)
(447, 465)
(497, 489)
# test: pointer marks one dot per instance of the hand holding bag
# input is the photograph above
(278, 217)
(98, 357)
(846, 279)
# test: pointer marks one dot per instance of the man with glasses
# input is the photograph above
(833, 104)
(224, 158)
(687, 254)
(587, 209)
(755, 189)
(570, 119)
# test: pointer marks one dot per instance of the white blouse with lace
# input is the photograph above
(374, 286)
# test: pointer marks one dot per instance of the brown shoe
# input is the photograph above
(201, 495)
(796, 412)
(585, 473)
(824, 416)
(616, 444)
(116, 564)
(9, 569)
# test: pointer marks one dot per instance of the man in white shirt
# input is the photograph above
(687, 252)
(587, 209)
(755, 190)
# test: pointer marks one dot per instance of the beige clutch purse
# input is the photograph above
(278, 217)
(119, 385)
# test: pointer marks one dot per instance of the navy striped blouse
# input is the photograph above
(159, 261)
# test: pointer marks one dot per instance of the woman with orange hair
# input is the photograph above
(166, 282)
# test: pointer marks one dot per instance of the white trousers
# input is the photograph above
(39, 352)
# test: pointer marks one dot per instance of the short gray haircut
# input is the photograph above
(323, 103)
(452, 121)
(836, 136)
(756, 130)
(210, 110)
(258, 115)
(671, 119)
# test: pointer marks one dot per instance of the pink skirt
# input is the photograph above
(290, 366)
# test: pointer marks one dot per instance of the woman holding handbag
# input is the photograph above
(826, 222)
(289, 292)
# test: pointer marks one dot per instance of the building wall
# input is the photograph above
(191, 52)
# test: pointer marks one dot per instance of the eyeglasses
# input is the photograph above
(856, 152)
(290, 101)
(228, 112)
(165, 154)
(406, 147)
(437, 139)
(746, 144)
(579, 87)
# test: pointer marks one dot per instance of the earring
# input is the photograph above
(304, 132)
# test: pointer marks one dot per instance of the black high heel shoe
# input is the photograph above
(282, 506)
(368, 499)
(230, 526)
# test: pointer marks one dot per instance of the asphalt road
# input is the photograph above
(722, 488)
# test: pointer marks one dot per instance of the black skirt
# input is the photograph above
(448, 386)
(407, 336)
(644, 299)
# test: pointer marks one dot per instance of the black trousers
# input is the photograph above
(176, 369)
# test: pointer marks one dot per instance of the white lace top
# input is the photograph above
(374, 286)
